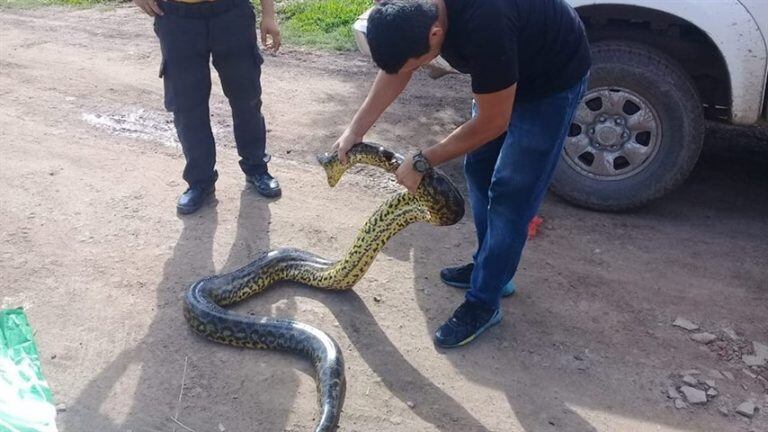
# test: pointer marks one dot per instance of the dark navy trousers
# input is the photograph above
(507, 179)
(190, 35)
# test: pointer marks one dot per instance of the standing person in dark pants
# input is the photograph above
(191, 32)
(528, 61)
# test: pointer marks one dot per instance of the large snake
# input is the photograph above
(437, 201)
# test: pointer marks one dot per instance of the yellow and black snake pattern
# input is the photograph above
(437, 202)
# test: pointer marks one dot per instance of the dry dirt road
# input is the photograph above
(92, 248)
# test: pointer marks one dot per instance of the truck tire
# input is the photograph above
(636, 134)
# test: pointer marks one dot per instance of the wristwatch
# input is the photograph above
(420, 164)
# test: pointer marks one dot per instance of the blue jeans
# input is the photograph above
(507, 179)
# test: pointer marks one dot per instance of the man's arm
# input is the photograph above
(269, 26)
(494, 111)
(384, 91)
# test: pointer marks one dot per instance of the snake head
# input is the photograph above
(437, 192)
(360, 153)
(334, 169)
(390, 158)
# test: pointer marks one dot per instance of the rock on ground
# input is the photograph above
(694, 395)
(751, 360)
(747, 409)
(715, 374)
(761, 350)
(672, 393)
(760, 358)
(691, 381)
(685, 324)
(704, 338)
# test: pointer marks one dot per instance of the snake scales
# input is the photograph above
(437, 202)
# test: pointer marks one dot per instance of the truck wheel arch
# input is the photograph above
(729, 27)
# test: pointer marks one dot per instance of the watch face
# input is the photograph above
(420, 165)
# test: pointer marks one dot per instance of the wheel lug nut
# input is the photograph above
(619, 121)
(624, 135)
(603, 119)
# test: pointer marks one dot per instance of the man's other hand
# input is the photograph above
(150, 7)
(270, 28)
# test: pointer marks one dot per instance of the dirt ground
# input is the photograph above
(92, 248)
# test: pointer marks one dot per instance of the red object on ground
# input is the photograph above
(533, 226)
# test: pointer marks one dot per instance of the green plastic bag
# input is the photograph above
(26, 403)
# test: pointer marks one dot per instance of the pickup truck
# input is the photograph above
(661, 69)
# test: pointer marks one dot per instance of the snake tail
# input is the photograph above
(208, 319)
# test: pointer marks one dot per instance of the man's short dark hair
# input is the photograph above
(398, 30)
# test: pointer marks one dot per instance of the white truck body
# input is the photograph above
(673, 63)
(739, 29)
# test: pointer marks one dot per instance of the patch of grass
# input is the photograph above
(321, 23)
(325, 24)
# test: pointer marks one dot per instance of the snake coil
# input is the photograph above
(437, 201)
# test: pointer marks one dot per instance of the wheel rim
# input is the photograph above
(615, 133)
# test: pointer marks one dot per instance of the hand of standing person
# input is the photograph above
(150, 7)
(269, 26)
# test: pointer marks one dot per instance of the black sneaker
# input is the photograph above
(194, 198)
(469, 320)
(458, 277)
(461, 276)
(265, 185)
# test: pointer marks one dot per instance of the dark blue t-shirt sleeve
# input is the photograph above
(493, 60)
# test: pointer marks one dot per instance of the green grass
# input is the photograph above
(323, 24)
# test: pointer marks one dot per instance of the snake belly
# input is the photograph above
(437, 202)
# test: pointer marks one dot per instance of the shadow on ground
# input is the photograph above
(162, 362)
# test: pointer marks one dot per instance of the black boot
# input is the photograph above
(265, 185)
(194, 198)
